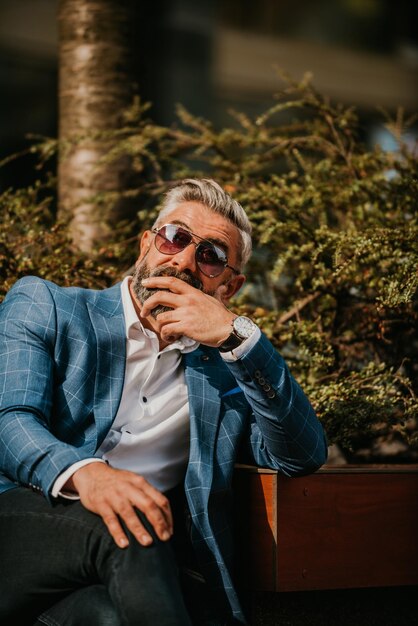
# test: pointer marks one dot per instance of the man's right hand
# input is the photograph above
(115, 494)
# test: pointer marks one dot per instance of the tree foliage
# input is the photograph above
(333, 280)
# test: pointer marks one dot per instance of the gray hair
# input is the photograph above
(210, 194)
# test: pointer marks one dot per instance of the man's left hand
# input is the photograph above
(195, 314)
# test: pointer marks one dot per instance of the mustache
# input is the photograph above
(143, 293)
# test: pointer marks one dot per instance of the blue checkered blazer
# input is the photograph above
(62, 362)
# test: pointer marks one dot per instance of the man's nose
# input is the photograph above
(185, 259)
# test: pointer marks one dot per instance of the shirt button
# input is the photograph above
(144, 399)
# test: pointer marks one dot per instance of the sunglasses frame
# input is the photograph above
(203, 241)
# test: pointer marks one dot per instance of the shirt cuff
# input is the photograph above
(243, 348)
(62, 479)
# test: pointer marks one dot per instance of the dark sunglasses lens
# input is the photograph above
(171, 239)
(210, 259)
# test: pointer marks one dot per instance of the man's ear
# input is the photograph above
(229, 289)
(144, 244)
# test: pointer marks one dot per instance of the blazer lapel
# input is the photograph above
(208, 381)
(108, 322)
(205, 390)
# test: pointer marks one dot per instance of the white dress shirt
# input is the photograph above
(150, 433)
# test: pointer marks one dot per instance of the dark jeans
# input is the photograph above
(59, 566)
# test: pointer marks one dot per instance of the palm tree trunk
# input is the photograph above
(95, 86)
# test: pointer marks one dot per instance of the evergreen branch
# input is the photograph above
(285, 317)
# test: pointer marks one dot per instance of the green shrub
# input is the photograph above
(334, 276)
(33, 241)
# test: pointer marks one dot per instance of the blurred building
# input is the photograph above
(221, 54)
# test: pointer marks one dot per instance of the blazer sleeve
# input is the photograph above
(284, 432)
(29, 453)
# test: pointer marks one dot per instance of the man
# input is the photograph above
(123, 407)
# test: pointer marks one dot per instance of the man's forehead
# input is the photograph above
(204, 222)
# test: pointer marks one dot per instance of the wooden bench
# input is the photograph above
(342, 527)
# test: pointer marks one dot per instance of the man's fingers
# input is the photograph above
(114, 528)
(132, 521)
(117, 496)
(171, 333)
(154, 505)
(153, 514)
(157, 497)
(163, 503)
(130, 517)
(165, 298)
(173, 284)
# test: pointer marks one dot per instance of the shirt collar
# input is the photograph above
(133, 323)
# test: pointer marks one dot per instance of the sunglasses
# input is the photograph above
(210, 259)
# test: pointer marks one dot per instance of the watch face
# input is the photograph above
(244, 327)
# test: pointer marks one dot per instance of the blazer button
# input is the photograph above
(205, 357)
(261, 381)
(266, 387)
(257, 374)
(271, 394)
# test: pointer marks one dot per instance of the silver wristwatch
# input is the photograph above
(242, 329)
